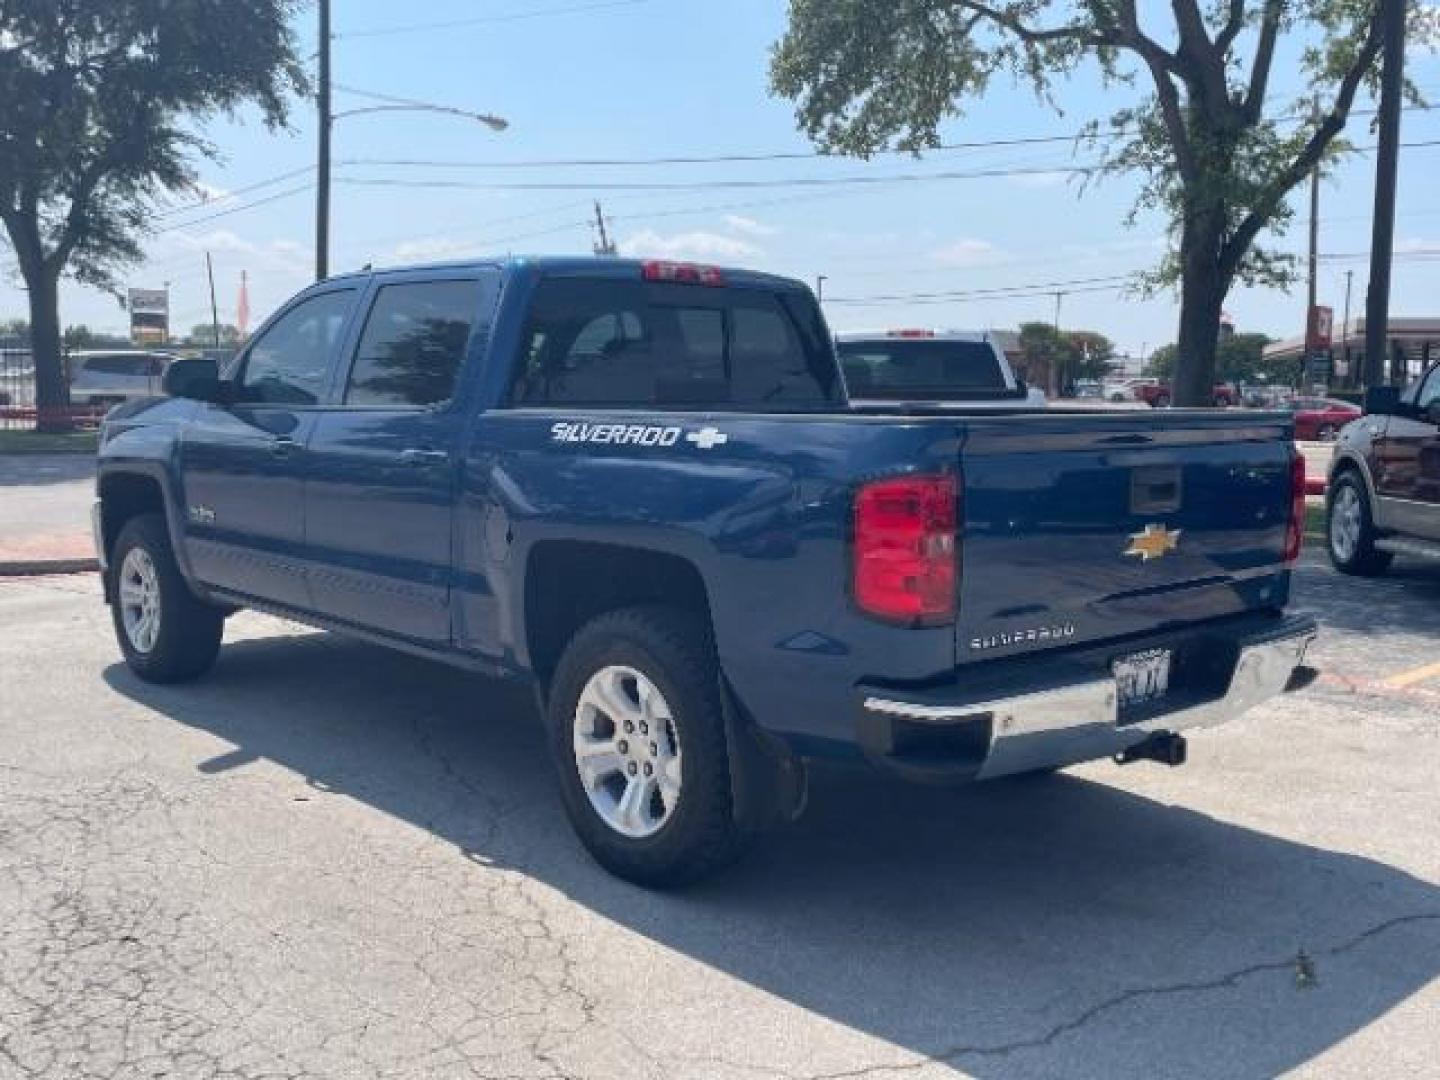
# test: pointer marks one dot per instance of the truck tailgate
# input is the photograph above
(1118, 526)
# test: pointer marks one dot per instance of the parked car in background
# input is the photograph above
(1321, 418)
(946, 368)
(1118, 390)
(116, 375)
(1383, 498)
(1158, 395)
(1089, 389)
(1265, 396)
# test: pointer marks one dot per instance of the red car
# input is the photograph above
(1321, 418)
(1159, 396)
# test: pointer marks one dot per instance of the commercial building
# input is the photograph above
(1412, 345)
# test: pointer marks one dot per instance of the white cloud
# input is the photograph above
(431, 248)
(748, 226)
(688, 245)
(1416, 243)
(967, 251)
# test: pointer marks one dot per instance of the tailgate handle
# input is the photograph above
(1155, 489)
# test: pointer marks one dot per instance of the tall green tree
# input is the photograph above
(203, 335)
(1056, 358)
(1239, 358)
(101, 102)
(1214, 151)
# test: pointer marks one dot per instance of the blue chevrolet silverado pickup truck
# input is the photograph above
(638, 486)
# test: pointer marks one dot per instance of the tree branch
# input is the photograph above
(1308, 158)
(1161, 64)
(1028, 34)
(1204, 64)
(1264, 54)
(1234, 23)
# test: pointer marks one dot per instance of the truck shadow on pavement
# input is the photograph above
(993, 927)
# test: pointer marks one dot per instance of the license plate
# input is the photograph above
(1142, 677)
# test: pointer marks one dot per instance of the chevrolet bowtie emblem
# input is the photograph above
(1153, 542)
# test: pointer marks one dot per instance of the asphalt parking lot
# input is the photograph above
(330, 860)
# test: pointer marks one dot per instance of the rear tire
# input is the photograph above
(1350, 529)
(636, 690)
(1161, 401)
(166, 632)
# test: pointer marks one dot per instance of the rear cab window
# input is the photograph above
(612, 342)
(909, 368)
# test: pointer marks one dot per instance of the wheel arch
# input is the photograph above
(570, 582)
(1347, 461)
(126, 492)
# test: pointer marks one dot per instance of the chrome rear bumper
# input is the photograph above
(926, 736)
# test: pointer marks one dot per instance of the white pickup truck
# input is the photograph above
(937, 368)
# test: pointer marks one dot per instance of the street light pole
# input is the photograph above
(322, 160)
(1387, 158)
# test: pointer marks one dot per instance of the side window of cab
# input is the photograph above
(289, 363)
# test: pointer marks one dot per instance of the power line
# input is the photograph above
(752, 157)
(1018, 294)
(238, 209)
(1084, 169)
(1109, 281)
(723, 185)
(739, 157)
(256, 186)
(514, 16)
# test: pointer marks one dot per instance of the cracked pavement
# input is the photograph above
(327, 860)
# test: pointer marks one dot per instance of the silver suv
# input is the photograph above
(108, 378)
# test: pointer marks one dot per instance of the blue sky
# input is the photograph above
(659, 78)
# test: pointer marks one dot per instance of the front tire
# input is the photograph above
(1350, 529)
(638, 734)
(166, 633)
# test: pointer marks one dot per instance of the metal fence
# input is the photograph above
(17, 397)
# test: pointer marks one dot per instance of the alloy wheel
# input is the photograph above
(627, 752)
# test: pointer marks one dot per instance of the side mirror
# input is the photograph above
(1382, 400)
(198, 380)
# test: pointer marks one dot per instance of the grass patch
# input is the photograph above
(45, 442)
(1315, 520)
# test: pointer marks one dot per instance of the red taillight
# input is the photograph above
(683, 273)
(1295, 527)
(905, 548)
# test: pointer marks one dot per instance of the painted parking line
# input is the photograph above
(1414, 675)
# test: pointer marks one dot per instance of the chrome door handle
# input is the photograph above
(418, 456)
(282, 446)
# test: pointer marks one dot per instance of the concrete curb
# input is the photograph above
(38, 567)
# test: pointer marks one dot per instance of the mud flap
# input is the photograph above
(768, 782)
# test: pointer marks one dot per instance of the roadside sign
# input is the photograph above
(149, 316)
(1319, 328)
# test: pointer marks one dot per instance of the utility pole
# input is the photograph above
(1345, 329)
(1054, 382)
(1387, 160)
(820, 280)
(214, 311)
(603, 245)
(1314, 257)
(322, 158)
